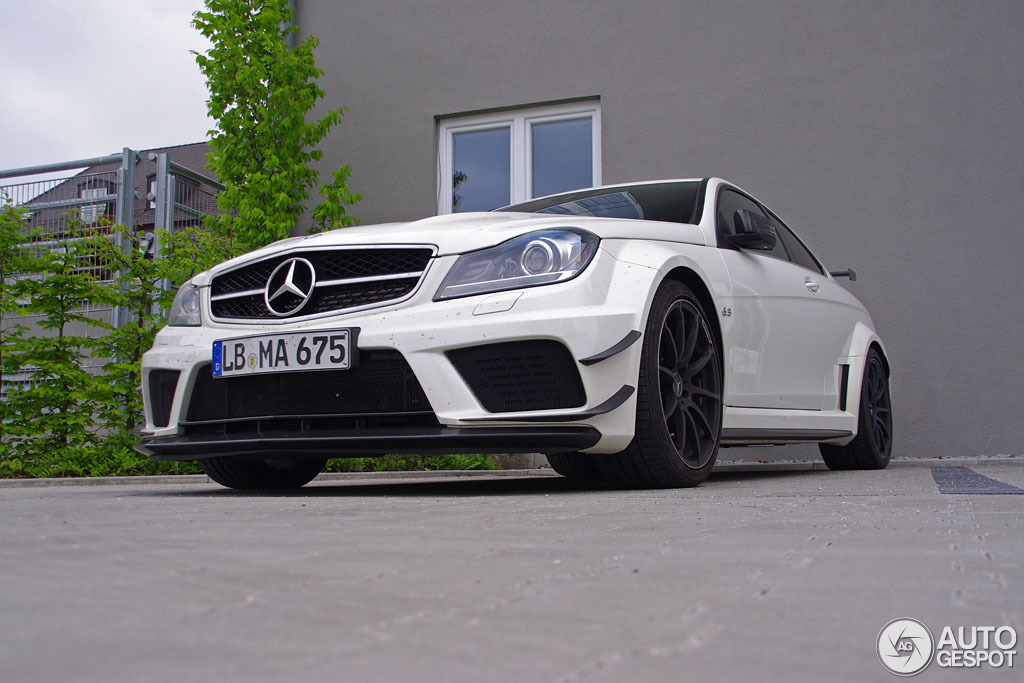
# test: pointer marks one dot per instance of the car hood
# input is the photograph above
(464, 232)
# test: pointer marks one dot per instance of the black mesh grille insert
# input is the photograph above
(162, 384)
(383, 382)
(330, 264)
(509, 377)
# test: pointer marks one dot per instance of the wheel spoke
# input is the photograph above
(695, 441)
(699, 364)
(695, 412)
(877, 385)
(691, 342)
(669, 349)
(677, 321)
(699, 391)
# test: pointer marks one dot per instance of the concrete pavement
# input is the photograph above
(783, 574)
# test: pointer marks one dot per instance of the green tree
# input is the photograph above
(53, 409)
(261, 91)
(11, 261)
(131, 280)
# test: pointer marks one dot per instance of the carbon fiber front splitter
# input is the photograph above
(340, 443)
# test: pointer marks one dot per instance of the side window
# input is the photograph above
(729, 202)
(799, 254)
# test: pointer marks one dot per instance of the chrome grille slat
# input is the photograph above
(356, 280)
(235, 295)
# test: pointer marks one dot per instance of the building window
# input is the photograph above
(92, 212)
(95, 188)
(151, 191)
(491, 160)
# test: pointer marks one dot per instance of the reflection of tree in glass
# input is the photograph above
(457, 179)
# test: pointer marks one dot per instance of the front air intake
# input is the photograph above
(538, 374)
(162, 384)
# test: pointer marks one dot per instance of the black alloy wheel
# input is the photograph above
(679, 398)
(879, 405)
(691, 393)
(871, 449)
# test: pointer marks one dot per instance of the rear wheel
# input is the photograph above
(261, 474)
(679, 398)
(574, 465)
(871, 449)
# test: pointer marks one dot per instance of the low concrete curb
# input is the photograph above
(738, 466)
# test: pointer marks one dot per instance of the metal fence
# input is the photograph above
(104, 195)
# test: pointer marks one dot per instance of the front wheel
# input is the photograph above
(679, 398)
(261, 474)
(574, 465)
(871, 449)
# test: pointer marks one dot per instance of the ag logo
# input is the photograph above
(905, 647)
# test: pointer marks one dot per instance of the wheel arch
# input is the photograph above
(691, 279)
(877, 346)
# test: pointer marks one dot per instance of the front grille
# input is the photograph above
(382, 382)
(162, 384)
(517, 376)
(239, 294)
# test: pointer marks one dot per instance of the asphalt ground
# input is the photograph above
(787, 574)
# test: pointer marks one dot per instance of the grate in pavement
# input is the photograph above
(966, 480)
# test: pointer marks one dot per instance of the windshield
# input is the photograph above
(673, 202)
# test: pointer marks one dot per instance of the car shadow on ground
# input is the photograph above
(472, 486)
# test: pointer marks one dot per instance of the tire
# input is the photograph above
(574, 465)
(261, 474)
(679, 398)
(871, 449)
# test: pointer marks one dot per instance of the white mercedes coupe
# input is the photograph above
(627, 332)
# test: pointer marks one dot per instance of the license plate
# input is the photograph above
(292, 352)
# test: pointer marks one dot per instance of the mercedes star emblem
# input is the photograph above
(289, 287)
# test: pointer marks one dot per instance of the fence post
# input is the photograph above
(124, 215)
(160, 222)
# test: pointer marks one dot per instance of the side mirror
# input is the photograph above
(844, 273)
(753, 231)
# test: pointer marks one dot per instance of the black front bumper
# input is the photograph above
(342, 443)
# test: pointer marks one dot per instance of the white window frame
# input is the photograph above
(90, 213)
(520, 122)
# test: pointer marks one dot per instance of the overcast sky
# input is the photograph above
(85, 79)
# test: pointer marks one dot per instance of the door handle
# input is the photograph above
(811, 285)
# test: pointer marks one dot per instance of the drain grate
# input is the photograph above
(966, 480)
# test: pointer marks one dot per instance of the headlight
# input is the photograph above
(185, 309)
(540, 258)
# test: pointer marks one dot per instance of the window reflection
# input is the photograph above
(481, 176)
(562, 156)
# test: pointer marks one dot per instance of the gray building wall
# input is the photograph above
(887, 134)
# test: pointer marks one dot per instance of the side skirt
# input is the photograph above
(773, 437)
